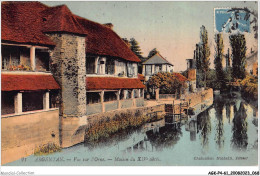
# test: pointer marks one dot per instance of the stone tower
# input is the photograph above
(69, 69)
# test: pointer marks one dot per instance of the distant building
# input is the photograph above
(156, 64)
(252, 63)
(191, 69)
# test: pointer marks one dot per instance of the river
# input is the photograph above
(223, 135)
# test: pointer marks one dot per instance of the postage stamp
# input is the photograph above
(231, 20)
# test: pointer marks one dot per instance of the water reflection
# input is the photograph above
(191, 126)
(219, 135)
(228, 114)
(239, 139)
(168, 136)
(229, 126)
(204, 125)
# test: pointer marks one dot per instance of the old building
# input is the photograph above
(252, 63)
(52, 58)
(191, 69)
(156, 64)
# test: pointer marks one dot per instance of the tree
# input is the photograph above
(199, 72)
(238, 46)
(205, 52)
(219, 59)
(136, 48)
(127, 42)
(228, 71)
(152, 53)
(167, 82)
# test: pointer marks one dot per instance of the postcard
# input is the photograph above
(129, 83)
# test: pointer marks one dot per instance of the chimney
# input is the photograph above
(109, 25)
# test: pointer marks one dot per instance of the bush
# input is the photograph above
(47, 149)
(249, 87)
(108, 126)
(167, 82)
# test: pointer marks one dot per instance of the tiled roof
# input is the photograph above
(21, 23)
(11, 82)
(26, 22)
(97, 83)
(102, 40)
(180, 77)
(156, 59)
(141, 77)
(60, 19)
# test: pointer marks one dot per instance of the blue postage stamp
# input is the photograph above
(231, 20)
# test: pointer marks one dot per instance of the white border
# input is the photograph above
(127, 170)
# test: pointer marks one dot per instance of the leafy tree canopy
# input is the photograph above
(167, 82)
(136, 48)
(152, 53)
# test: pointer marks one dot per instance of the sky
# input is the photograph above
(171, 27)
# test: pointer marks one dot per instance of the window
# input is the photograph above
(101, 66)
(158, 68)
(7, 102)
(10, 57)
(32, 101)
(90, 65)
(122, 94)
(148, 70)
(110, 66)
(141, 92)
(110, 96)
(130, 70)
(136, 93)
(121, 68)
(93, 97)
(128, 94)
(42, 60)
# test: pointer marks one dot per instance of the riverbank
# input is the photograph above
(215, 134)
(98, 126)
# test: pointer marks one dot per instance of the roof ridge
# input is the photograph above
(163, 57)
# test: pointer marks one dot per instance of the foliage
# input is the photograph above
(250, 87)
(219, 59)
(238, 45)
(19, 67)
(212, 81)
(205, 52)
(152, 53)
(108, 126)
(47, 149)
(167, 82)
(136, 48)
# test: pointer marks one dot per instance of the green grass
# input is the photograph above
(47, 149)
(108, 126)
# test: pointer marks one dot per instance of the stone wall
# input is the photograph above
(199, 97)
(200, 100)
(139, 102)
(126, 103)
(21, 134)
(109, 106)
(74, 128)
(94, 108)
(166, 96)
